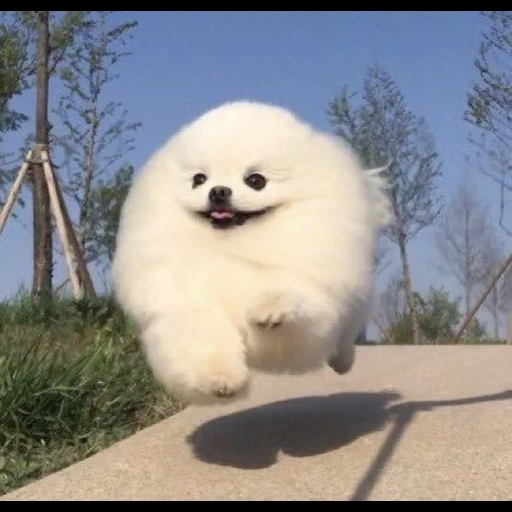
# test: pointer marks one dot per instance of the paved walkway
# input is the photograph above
(408, 423)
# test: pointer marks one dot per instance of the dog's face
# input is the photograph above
(227, 204)
(239, 163)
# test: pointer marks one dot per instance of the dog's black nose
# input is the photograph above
(220, 194)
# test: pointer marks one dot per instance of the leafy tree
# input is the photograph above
(13, 57)
(383, 130)
(97, 134)
(42, 40)
(107, 198)
(489, 110)
(489, 101)
(438, 317)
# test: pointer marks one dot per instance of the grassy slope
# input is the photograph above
(72, 382)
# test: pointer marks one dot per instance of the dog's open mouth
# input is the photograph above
(226, 218)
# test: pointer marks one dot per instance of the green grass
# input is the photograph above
(73, 381)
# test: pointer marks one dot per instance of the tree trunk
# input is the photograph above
(496, 322)
(42, 240)
(409, 291)
(509, 324)
(496, 312)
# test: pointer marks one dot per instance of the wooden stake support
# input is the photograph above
(81, 282)
(505, 264)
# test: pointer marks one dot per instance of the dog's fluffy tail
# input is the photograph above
(379, 188)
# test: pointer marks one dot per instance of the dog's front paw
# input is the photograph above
(273, 309)
(222, 377)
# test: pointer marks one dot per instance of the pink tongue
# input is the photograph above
(222, 215)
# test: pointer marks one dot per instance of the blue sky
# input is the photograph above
(186, 62)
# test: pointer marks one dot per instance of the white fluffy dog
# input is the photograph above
(247, 242)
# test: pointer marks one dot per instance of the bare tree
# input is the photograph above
(384, 131)
(497, 302)
(461, 239)
(392, 303)
(506, 294)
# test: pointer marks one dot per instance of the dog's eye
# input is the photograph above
(256, 181)
(198, 179)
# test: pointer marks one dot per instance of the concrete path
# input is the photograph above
(408, 423)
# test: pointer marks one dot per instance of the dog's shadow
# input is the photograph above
(300, 427)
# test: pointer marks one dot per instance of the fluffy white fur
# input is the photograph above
(199, 295)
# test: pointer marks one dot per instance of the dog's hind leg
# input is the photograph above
(343, 358)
